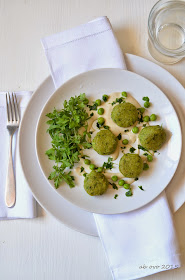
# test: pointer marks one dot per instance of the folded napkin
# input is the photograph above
(25, 206)
(141, 242)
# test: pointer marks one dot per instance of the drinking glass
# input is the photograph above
(166, 31)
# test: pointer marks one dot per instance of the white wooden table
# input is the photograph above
(42, 248)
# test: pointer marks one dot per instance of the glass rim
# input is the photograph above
(162, 50)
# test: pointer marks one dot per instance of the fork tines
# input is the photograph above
(12, 108)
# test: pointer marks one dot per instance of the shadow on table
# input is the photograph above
(40, 211)
(128, 40)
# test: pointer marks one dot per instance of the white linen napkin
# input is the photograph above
(141, 242)
(25, 206)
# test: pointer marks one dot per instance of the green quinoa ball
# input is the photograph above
(105, 142)
(124, 114)
(131, 165)
(95, 183)
(152, 137)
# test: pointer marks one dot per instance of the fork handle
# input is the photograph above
(10, 180)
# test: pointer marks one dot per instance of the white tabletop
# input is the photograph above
(42, 248)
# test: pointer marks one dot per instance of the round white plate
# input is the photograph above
(95, 83)
(61, 209)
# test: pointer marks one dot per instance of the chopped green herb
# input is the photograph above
(105, 97)
(109, 164)
(136, 179)
(106, 127)
(119, 136)
(145, 154)
(146, 98)
(145, 166)
(116, 195)
(156, 152)
(92, 114)
(132, 149)
(81, 169)
(118, 100)
(114, 186)
(141, 188)
(144, 125)
(129, 193)
(84, 156)
(123, 147)
(126, 130)
(84, 174)
(93, 107)
(142, 148)
(98, 125)
(140, 112)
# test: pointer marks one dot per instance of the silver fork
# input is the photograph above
(13, 121)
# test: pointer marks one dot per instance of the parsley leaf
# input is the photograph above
(58, 176)
(109, 164)
(106, 126)
(129, 193)
(105, 97)
(118, 100)
(146, 98)
(141, 188)
(119, 136)
(114, 186)
(67, 142)
(116, 195)
(132, 149)
(93, 107)
(142, 148)
(81, 169)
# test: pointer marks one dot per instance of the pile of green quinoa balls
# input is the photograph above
(151, 138)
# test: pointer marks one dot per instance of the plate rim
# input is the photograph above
(78, 77)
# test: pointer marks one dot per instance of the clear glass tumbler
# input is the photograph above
(166, 31)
